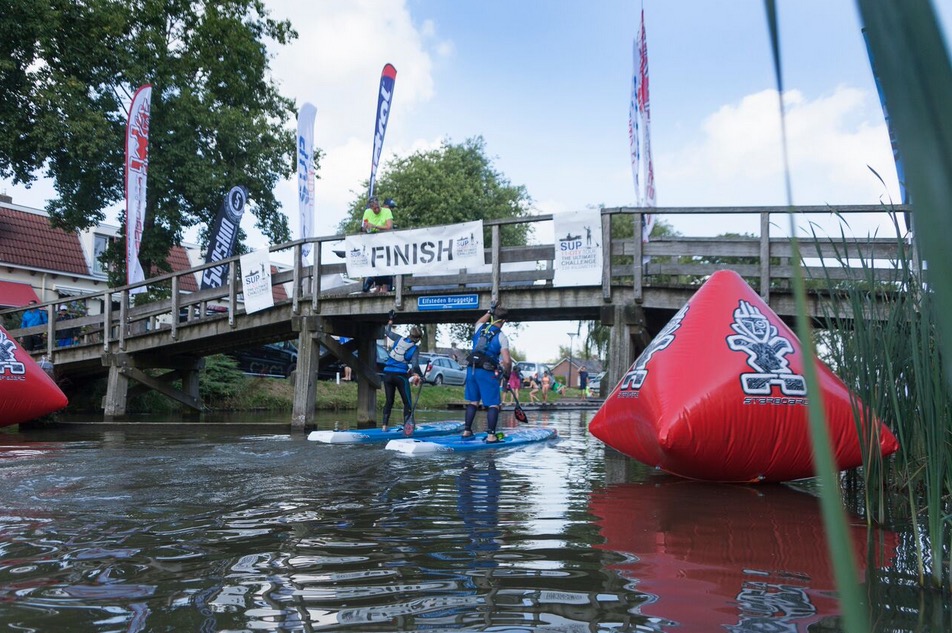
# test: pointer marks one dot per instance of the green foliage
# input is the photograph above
(448, 185)
(68, 71)
(221, 381)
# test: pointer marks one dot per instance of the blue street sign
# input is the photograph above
(448, 302)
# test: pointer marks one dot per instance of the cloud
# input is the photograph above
(737, 158)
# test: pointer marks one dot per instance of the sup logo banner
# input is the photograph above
(435, 248)
(137, 168)
(256, 281)
(578, 248)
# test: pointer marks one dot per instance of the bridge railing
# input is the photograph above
(108, 318)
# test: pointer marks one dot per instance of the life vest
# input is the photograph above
(398, 355)
(485, 354)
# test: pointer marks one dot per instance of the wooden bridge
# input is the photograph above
(642, 286)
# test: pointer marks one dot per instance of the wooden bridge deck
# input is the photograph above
(637, 298)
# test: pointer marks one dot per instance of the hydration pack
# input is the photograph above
(479, 357)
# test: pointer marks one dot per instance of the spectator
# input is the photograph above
(68, 336)
(376, 220)
(546, 388)
(33, 317)
(583, 380)
(533, 388)
(515, 383)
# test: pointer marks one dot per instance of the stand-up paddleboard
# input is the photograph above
(363, 436)
(458, 444)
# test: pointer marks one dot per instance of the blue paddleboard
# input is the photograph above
(458, 444)
(362, 436)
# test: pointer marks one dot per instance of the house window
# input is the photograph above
(99, 247)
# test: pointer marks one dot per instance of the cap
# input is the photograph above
(63, 307)
(390, 202)
(372, 200)
(501, 314)
(415, 333)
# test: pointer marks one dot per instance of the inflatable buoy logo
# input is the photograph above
(9, 365)
(767, 353)
(720, 395)
(637, 375)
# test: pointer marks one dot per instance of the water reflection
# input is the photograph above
(252, 528)
(730, 557)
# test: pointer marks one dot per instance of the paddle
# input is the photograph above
(517, 412)
(408, 424)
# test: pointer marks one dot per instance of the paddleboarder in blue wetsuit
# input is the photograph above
(490, 355)
(401, 363)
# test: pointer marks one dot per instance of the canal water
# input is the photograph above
(240, 524)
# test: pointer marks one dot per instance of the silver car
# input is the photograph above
(443, 370)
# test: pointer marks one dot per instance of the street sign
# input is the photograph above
(448, 302)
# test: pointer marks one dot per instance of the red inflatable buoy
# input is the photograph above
(720, 395)
(26, 391)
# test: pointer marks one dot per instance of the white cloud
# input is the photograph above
(737, 158)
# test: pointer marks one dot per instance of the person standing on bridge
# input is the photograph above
(378, 219)
(490, 354)
(401, 363)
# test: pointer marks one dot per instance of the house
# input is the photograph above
(46, 264)
(561, 370)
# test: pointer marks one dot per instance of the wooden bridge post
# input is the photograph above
(367, 392)
(117, 385)
(629, 337)
(305, 379)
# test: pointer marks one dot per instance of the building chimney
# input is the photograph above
(6, 199)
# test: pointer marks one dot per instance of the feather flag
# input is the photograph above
(223, 236)
(639, 129)
(137, 167)
(305, 170)
(384, 97)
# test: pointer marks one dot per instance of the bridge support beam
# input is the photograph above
(305, 380)
(629, 337)
(117, 385)
(126, 375)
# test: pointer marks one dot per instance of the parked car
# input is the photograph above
(273, 359)
(532, 370)
(442, 370)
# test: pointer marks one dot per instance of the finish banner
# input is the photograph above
(305, 171)
(578, 248)
(435, 249)
(384, 96)
(256, 280)
(224, 234)
(137, 167)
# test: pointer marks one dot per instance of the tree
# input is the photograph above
(68, 71)
(448, 185)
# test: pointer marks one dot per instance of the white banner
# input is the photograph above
(137, 167)
(435, 249)
(305, 171)
(256, 280)
(578, 248)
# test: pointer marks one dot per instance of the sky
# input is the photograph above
(547, 84)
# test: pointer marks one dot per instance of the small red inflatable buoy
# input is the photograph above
(26, 391)
(720, 395)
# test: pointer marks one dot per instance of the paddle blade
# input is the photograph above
(520, 414)
(408, 427)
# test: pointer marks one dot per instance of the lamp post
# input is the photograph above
(572, 336)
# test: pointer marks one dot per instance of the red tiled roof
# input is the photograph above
(277, 290)
(27, 239)
(178, 260)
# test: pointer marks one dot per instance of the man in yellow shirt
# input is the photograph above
(378, 219)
